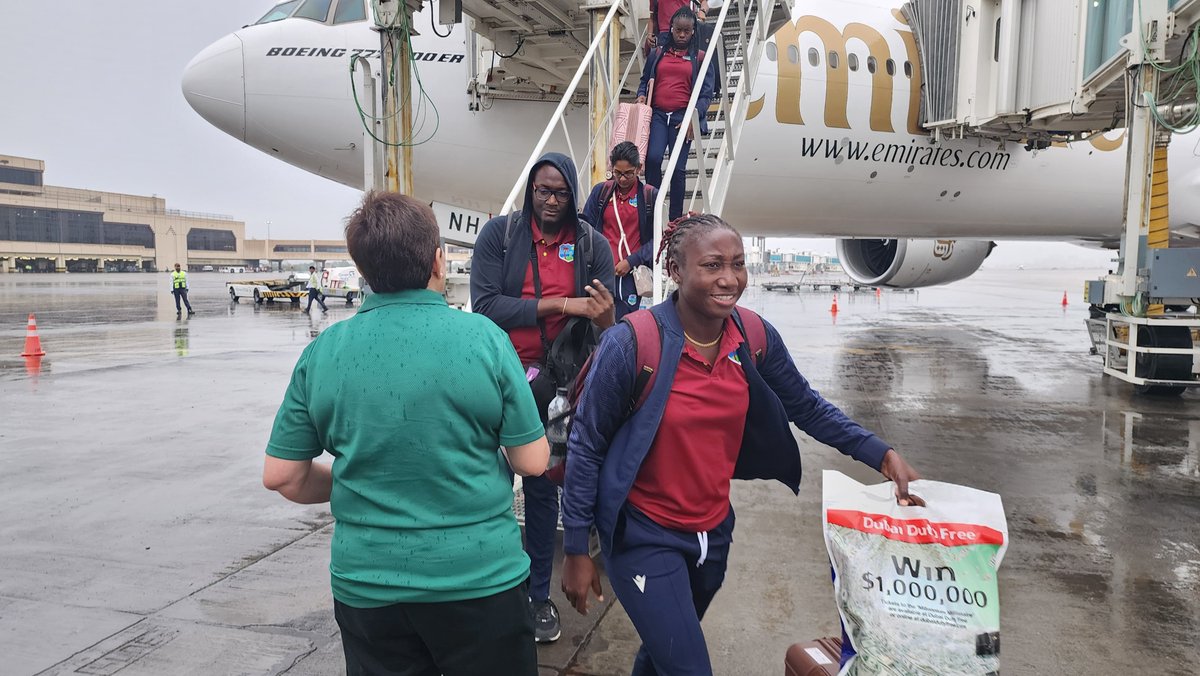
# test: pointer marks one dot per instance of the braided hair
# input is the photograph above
(681, 230)
(686, 12)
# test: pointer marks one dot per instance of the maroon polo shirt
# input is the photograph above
(684, 481)
(627, 205)
(556, 269)
(673, 81)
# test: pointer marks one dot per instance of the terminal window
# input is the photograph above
(207, 239)
(20, 176)
(330, 248)
(25, 224)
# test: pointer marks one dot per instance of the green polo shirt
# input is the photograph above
(413, 399)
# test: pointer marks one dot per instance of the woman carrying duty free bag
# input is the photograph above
(653, 475)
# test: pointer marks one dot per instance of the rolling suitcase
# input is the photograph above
(814, 658)
(632, 124)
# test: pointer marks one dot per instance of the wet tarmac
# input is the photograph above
(138, 540)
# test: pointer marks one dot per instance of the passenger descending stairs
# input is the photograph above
(741, 29)
(740, 42)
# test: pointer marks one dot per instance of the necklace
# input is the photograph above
(697, 343)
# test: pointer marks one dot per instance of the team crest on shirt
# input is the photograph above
(733, 357)
(633, 200)
(567, 252)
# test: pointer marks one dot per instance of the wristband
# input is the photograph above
(564, 308)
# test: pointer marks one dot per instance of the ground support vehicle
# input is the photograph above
(267, 290)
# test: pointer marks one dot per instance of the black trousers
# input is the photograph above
(181, 293)
(315, 294)
(478, 637)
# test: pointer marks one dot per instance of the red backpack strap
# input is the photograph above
(755, 331)
(606, 193)
(647, 341)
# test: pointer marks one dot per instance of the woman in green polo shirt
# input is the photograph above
(412, 398)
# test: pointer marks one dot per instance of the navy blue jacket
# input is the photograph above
(606, 450)
(498, 267)
(593, 212)
(708, 84)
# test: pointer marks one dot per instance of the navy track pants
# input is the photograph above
(665, 587)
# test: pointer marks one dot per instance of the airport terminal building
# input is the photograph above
(46, 228)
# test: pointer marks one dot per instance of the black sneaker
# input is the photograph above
(546, 628)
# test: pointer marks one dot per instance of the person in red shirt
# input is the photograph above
(622, 208)
(674, 69)
(532, 272)
(654, 478)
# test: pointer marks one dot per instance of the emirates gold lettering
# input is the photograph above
(837, 80)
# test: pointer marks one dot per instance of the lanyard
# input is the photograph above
(624, 243)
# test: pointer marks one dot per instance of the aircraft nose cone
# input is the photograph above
(214, 85)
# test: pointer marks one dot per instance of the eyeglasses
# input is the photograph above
(543, 194)
(632, 173)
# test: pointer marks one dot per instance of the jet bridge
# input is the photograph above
(1056, 71)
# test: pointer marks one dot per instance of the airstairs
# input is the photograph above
(537, 49)
(1042, 72)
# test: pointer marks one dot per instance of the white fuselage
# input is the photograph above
(824, 152)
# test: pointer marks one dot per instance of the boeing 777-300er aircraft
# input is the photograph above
(832, 146)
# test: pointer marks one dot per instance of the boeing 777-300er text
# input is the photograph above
(832, 146)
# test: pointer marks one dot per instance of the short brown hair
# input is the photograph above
(393, 240)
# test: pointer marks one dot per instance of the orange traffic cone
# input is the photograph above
(833, 309)
(33, 344)
(1064, 303)
(878, 292)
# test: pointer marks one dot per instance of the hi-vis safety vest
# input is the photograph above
(178, 279)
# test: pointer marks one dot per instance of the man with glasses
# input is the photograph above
(532, 271)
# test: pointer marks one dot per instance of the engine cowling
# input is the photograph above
(911, 263)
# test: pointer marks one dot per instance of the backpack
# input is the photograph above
(563, 357)
(647, 345)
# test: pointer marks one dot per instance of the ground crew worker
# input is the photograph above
(179, 288)
(314, 290)
(531, 273)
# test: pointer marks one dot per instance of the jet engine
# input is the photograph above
(911, 263)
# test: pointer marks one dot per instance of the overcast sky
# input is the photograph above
(93, 89)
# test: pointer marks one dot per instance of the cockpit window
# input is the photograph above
(279, 12)
(317, 10)
(349, 10)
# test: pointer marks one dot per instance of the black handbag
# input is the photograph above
(563, 359)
